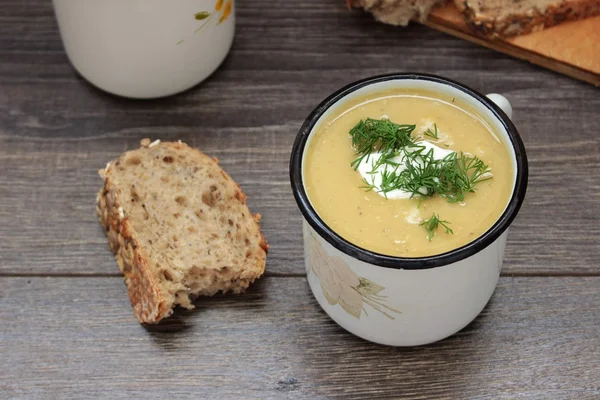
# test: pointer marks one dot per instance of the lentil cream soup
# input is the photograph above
(407, 173)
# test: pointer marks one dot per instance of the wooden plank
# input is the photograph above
(570, 48)
(56, 131)
(77, 338)
(49, 188)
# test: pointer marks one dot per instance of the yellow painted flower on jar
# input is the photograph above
(226, 9)
(222, 11)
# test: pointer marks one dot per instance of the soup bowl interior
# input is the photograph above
(492, 114)
(404, 301)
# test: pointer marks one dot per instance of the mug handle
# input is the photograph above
(501, 102)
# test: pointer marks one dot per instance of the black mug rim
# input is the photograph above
(409, 263)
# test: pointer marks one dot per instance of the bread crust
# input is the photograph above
(528, 21)
(396, 12)
(150, 302)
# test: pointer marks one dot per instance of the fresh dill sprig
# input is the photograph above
(434, 133)
(433, 223)
(385, 159)
(419, 173)
(379, 135)
(459, 173)
(368, 186)
(420, 176)
(451, 177)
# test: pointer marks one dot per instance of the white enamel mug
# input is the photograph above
(146, 48)
(406, 301)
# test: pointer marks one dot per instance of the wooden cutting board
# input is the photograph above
(572, 48)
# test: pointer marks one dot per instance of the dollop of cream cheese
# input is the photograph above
(372, 175)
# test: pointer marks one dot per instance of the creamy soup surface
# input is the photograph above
(393, 227)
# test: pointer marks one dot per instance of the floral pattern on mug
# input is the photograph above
(341, 285)
(222, 10)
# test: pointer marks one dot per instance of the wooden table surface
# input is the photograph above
(67, 328)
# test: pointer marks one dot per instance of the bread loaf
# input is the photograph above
(179, 226)
(515, 17)
(396, 12)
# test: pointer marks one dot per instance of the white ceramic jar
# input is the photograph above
(405, 301)
(146, 48)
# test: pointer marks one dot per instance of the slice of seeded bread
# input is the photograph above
(179, 227)
(396, 12)
(516, 17)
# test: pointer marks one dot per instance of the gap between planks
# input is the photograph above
(118, 275)
(557, 274)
